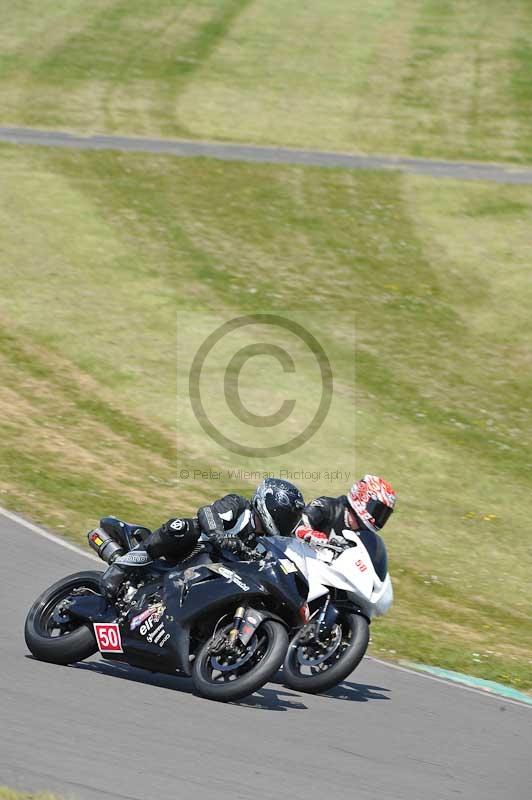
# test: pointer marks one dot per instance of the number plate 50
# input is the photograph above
(108, 637)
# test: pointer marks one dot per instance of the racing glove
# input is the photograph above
(235, 545)
(312, 537)
(338, 541)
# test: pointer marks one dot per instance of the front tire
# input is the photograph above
(308, 668)
(51, 635)
(245, 677)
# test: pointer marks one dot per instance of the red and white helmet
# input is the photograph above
(373, 500)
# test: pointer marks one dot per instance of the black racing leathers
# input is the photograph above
(230, 517)
(228, 522)
(326, 515)
(329, 515)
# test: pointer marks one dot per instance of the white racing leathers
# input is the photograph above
(361, 566)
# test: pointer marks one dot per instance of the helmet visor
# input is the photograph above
(379, 511)
(286, 520)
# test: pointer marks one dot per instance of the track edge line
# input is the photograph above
(421, 671)
(45, 534)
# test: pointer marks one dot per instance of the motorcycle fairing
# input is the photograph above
(204, 588)
(183, 601)
(351, 571)
(162, 644)
(93, 608)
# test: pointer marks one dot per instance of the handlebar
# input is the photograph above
(333, 547)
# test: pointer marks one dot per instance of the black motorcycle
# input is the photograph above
(220, 620)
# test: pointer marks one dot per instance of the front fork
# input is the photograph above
(238, 619)
(245, 623)
(323, 622)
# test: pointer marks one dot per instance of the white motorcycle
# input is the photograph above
(349, 584)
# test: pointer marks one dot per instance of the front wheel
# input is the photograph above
(221, 672)
(50, 633)
(315, 663)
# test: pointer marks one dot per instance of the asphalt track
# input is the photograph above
(108, 731)
(471, 171)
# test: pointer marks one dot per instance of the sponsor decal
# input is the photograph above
(210, 518)
(147, 626)
(152, 634)
(287, 566)
(360, 564)
(150, 625)
(157, 637)
(139, 619)
(155, 611)
(133, 558)
(191, 573)
(232, 576)
(108, 637)
(177, 524)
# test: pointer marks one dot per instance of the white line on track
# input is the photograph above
(455, 684)
(50, 536)
(62, 543)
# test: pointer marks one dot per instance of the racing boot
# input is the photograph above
(114, 575)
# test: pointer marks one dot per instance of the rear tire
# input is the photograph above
(75, 641)
(355, 629)
(274, 640)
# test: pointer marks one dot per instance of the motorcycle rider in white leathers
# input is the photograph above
(364, 510)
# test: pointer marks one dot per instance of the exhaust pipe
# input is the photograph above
(104, 544)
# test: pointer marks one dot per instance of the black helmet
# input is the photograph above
(279, 505)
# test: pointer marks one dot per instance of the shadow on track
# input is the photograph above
(128, 673)
(278, 699)
(272, 700)
(354, 692)
(265, 699)
(357, 692)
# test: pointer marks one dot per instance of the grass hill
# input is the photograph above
(116, 266)
(436, 78)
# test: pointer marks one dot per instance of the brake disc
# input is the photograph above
(60, 613)
(316, 652)
(238, 661)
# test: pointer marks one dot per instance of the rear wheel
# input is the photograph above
(50, 633)
(317, 663)
(223, 672)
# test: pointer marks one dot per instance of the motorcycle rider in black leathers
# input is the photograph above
(364, 510)
(231, 522)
